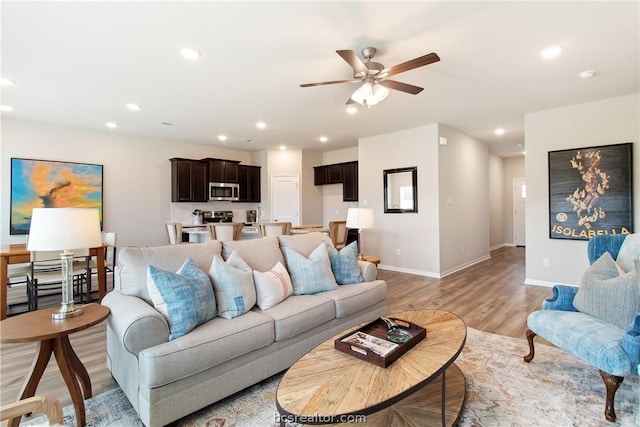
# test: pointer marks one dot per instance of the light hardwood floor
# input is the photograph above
(489, 296)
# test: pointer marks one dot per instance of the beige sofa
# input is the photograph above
(166, 380)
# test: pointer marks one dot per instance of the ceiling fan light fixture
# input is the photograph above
(370, 94)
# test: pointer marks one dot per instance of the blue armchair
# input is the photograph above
(615, 351)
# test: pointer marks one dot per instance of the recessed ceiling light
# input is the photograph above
(499, 131)
(133, 107)
(283, 147)
(190, 54)
(323, 139)
(524, 153)
(587, 74)
(551, 52)
(6, 108)
(222, 137)
(352, 110)
(111, 125)
(261, 125)
(6, 82)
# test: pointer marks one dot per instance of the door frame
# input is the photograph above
(513, 211)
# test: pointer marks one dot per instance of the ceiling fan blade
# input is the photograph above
(350, 101)
(404, 87)
(329, 83)
(410, 65)
(353, 60)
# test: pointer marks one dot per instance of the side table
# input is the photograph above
(372, 259)
(53, 337)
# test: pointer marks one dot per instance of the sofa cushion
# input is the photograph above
(629, 251)
(350, 299)
(607, 295)
(344, 263)
(232, 286)
(310, 275)
(210, 344)
(272, 286)
(586, 337)
(185, 298)
(259, 254)
(131, 277)
(304, 244)
(300, 313)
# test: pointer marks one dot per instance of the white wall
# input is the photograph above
(463, 185)
(605, 122)
(136, 181)
(311, 194)
(415, 235)
(496, 202)
(513, 167)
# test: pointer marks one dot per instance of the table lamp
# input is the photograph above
(361, 219)
(64, 229)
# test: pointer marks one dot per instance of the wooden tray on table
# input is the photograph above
(370, 342)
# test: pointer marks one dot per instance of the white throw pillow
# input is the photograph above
(273, 286)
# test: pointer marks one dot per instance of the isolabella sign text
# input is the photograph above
(585, 234)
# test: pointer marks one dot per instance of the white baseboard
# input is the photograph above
(465, 265)
(545, 283)
(409, 271)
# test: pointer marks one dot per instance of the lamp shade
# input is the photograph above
(359, 218)
(55, 229)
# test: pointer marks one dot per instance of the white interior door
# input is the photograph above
(519, 222)
(285, 198)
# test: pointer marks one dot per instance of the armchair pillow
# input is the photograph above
(310, 275)
(232, 286)
(629, 251)
(184, 298)
(344, 264)
(608, 295)
(273, 286)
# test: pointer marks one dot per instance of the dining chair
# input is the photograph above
(45, 275)
(174, 232)
(338, 233)
(225, 231)
(274, 228)
(111, 240)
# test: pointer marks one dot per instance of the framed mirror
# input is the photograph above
(401, 190)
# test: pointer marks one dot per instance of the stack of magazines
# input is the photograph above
(377, 345)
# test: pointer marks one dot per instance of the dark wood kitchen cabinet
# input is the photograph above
(344, 173)
(350, 182)
(189, 180)
(249, 180)
(223, 170)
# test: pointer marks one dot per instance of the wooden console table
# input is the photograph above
(52, 336)
(19, 254)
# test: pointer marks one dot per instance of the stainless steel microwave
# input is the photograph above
(224, 191)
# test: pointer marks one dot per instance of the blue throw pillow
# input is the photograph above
(310, 275)
(344, 264)
(232, 285)
(185, 298)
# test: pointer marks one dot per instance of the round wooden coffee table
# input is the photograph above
(327, 386)
(53, 337)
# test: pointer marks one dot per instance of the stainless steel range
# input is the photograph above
(218, 216)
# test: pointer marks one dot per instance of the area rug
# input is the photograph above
(555, 389)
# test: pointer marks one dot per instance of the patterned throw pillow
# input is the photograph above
(184, 298)
(273, 286)
(310, 275)
(344, 264)
(232, 286)
(608, 295)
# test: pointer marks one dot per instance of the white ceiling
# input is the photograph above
(78, 64)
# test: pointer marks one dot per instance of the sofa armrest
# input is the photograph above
(562, 299)
(631, 342)
(598, 245)
(369, 270)
(136, 324)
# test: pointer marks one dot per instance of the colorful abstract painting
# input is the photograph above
(51, 184)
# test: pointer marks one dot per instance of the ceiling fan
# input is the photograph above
(374, 76)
